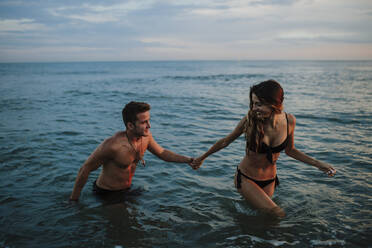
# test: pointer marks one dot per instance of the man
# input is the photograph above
(120, 154)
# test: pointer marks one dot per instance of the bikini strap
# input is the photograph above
(286, 116)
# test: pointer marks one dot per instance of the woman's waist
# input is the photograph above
(258, 168)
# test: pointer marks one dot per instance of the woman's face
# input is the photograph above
(260, 109)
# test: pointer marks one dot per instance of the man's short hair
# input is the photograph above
(131, 110)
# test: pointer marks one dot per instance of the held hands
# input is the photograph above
(196, 163)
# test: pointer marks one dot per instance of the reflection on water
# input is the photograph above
(54, 115)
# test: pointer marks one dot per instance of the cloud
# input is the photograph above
(208, 29)
(315, 35)
(54, 53)
(165, 42)
(239, 8)
(19, 25)
(234, 9)
(100, 13)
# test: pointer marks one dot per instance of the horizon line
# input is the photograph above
(182, 60)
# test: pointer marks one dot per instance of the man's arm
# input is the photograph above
(94, 161)
(220, 144)
(165, 154)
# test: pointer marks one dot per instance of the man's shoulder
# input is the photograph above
(114, 142)
(118, 136)
(149, 138)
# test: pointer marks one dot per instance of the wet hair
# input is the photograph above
(271, 94)
(131, 110)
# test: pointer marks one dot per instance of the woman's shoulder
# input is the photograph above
(291, 120)
(247, 117)
(241, 126)
(244, 121)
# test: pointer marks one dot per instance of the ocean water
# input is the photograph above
(53, 115)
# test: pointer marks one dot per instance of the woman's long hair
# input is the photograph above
(269, 93)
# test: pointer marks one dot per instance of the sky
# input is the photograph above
(148, 30)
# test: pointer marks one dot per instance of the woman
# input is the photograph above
(268, 131)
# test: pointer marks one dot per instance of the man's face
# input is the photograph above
(142, 125)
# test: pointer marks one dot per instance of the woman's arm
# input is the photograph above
(300, 156)
(220, 144)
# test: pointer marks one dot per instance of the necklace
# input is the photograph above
(138, 155)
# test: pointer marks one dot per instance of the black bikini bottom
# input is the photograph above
(260, 183)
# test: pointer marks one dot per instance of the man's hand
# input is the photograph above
(191, 160)
(196, 163)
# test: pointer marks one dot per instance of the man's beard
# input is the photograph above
(137, 133)
(143, 133)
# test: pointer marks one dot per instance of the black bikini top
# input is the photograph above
(277, 149)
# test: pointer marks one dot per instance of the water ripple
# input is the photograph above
(54, 115)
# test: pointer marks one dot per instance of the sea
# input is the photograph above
(53, 115)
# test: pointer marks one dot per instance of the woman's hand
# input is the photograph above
(327, 168)
(196, 163)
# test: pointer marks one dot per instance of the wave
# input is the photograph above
(344, 120)
(81, 72)
(224, 77)
(78, 92)
(16, 104)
